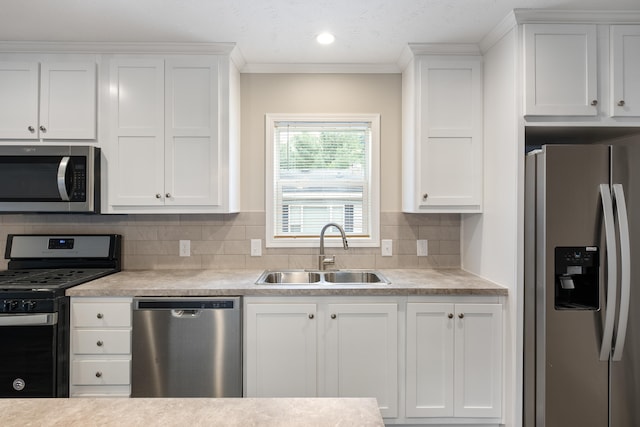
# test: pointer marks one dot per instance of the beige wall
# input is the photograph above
(320, 93)
(223, 241)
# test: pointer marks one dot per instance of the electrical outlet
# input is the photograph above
(387, 247)
(256, 247)
(423, 247)
(185, 247)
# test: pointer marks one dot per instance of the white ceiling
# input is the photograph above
(275, 31)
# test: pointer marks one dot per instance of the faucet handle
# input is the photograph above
(324, 260)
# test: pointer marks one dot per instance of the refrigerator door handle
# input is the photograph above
(612, 268)
(625, 270)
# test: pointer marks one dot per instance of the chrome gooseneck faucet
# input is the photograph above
(323, 260)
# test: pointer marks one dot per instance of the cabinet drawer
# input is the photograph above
(101, 372)
(100, 341)
(90, 314)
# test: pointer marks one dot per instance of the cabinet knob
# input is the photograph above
(158, 196)
(99, 315)
(450, 315)
(31, 129)
(333, 316)
(621, 103)
(461, 315)
(594, 102)
(99, 343)
(311, 316)
(43, 129)
(98, 374)
(168, 195)
(425, 196)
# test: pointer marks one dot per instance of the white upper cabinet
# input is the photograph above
(581, 74)
(48, 100)
(625, 70)
(561, 69)
(136, 151)
(171, 147)
(442, 134)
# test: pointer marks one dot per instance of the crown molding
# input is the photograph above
(498, 32)
(319, 68)
(443, 49)
(545, 16)
(116, 47)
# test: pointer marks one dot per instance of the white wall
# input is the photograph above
(491, 241)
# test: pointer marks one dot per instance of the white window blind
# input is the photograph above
(321, 173)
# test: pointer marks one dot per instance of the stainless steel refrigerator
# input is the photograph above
(582, 279)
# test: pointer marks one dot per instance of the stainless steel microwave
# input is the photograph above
(49, 179)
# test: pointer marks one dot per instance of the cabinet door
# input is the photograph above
(68, 101)
(451, 135)
(560, 67)
(192, 157)
(361, 353)
(280, 350)
(430, 357)
(478, 360)
(18, 100)
(136, 160)
(625, 63)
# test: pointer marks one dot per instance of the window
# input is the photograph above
(322, 169)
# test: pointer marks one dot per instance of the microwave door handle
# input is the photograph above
(62, 181)
(625, 270)
(612, 261)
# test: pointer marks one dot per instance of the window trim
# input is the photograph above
(374, 182)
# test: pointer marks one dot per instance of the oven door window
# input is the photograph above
(36, 178)
(28, 361)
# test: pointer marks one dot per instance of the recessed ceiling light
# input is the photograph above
(325, 38)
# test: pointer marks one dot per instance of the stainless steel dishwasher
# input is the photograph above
(186, 347)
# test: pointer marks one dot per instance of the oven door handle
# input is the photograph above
(29, 319)
(62, 178)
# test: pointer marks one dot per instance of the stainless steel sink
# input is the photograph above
(288, 277)
(304, 277)
(353, 277)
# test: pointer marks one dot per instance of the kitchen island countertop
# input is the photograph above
(242, 282)
(281, 412)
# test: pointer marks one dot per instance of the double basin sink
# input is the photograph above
(317, 277)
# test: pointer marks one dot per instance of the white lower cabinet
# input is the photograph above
(100, 347)
(454, 361)
(305, 347)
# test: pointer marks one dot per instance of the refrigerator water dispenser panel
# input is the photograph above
(576, 278)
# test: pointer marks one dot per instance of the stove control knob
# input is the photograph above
(10, 305)
(28, 305)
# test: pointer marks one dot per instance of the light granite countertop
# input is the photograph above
(281, 412)
(242, 282)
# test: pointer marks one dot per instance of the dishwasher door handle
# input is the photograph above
(182, 314)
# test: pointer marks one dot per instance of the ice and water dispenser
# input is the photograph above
(576, 278)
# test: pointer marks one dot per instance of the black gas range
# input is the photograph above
(34, 311)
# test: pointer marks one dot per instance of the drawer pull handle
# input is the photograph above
(450, 315)
(100, 315)
(311, 316)
(99, 343)
(621, 103)
(461, 315)
(333, 316)
(594, 102)
(98, 374)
